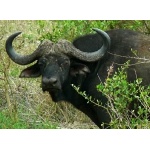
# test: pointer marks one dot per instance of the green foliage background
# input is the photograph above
(22, 103)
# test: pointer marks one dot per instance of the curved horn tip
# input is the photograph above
(17, 33)
(102, 33)
(97, 30)
(11, 37)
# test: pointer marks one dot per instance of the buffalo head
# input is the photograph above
(54, 62)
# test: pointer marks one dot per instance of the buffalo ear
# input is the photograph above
(31, 72)
(79, 69)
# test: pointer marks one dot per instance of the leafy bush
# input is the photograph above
(23, 101)
(70, 29)
(128, 103)
(121, 95)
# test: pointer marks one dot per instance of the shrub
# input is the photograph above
(121, 94)
(23, 99)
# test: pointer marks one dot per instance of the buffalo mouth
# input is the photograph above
(50, 89)
(57, 95)
(54, 88)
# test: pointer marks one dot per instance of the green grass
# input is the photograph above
(9, 122)
(29, 106)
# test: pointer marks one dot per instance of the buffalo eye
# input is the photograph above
(42, 63)
(65, 63)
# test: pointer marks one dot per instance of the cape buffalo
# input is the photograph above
(84, 63)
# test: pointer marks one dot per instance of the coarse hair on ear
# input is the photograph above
(79, 69)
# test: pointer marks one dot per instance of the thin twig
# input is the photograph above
(129, 57)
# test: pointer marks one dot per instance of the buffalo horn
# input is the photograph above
(70, 50)
(17, 58)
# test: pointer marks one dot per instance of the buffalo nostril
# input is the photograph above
(50, 83)
(53, 80)
(45, 80)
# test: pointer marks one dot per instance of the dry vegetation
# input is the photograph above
(23, 97)
(22, 100)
